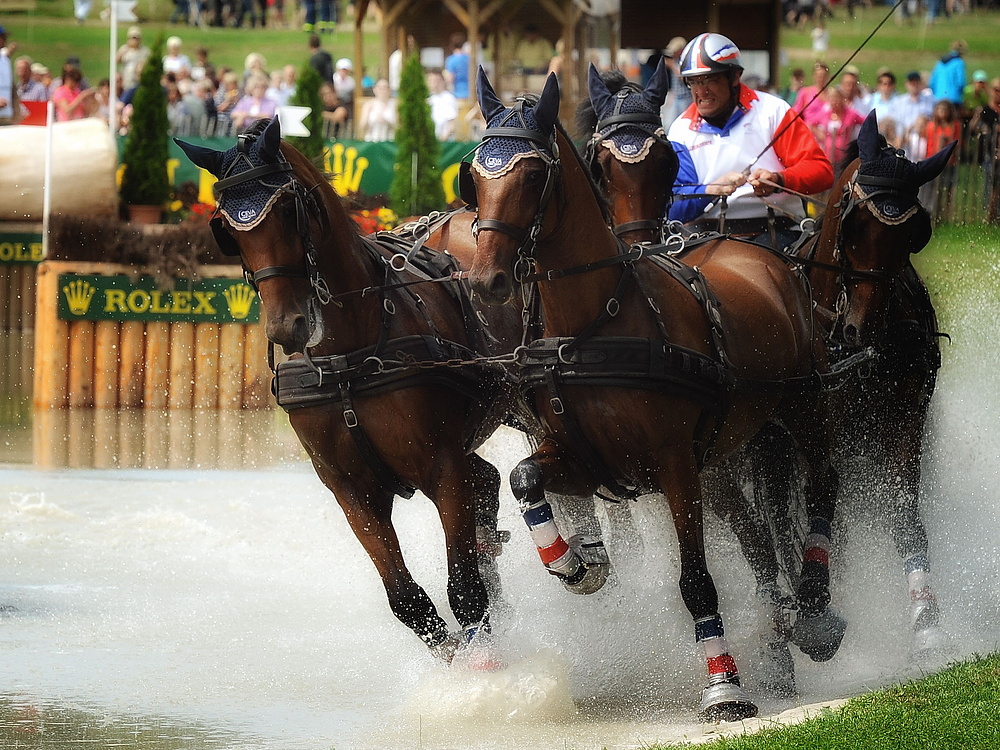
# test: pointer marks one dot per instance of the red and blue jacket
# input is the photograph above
(706, 153)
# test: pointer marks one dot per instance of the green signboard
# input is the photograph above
(122, 298)
(20, 247)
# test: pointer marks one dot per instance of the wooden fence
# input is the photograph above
(157, 365)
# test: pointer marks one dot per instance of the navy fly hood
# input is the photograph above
(629, 119)
(253, 174)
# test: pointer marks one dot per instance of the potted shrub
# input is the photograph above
(416, 146)
(145, 185)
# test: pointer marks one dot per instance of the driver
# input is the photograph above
(718, 137)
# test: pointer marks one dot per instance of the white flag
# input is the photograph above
(291, 120)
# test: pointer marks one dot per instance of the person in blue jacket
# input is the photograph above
(948, 77)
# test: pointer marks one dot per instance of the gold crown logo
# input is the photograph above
(239, 297)
(78, 295)
(347, 168)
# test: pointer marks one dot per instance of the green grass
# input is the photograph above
(954, 709)
(901, 47)
(50, 35)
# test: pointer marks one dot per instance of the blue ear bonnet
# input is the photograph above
(892, 164)
(246, 203)
(498, 153)
(628, 142)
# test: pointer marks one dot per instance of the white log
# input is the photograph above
(84, 160)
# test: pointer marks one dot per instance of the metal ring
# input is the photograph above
(402, 262)
(378, 361)
(613, 307)
(522, 269)
(807, 225)
(559, 355)
(388, 306)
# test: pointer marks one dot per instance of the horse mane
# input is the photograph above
(586, 118)
(851, 153)
(601, 200)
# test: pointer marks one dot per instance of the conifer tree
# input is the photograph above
(145, 181)
(307, 95)
(415, 136)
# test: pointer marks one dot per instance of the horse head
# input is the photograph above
(882, 223)
(264, 216)
(519, 145)
(628, 153)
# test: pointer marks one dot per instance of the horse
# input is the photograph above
(870, 297)
(635, 166)
(370, 386)
(643, 369)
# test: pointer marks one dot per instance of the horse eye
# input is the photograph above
(535, 177)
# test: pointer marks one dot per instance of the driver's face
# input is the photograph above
(712, 94)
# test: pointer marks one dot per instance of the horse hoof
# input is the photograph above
(775, 675)
(588, 579)
(819, 636)
(931, 644)
(725, 701)
(480, 654)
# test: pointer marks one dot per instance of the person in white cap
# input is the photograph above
(130, 57)
(679, 96)
(740, 144)
(343, 81)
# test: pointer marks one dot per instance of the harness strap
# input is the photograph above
(251, 174)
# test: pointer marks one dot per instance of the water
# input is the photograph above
(201, 589)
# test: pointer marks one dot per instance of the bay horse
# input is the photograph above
(635, 166)
(366, 387)
(869, 295)
(643, 370)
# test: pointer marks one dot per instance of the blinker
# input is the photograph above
(227, 245)
(467, 185)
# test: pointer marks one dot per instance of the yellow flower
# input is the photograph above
(176, 206)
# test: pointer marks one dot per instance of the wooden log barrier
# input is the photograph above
(107, 336)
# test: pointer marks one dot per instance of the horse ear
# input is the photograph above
(202, 156)
(270, 139)
(547, 109)
(599, 94)
(489, 103)
(869, 143)
(659, 84)
(932, 166)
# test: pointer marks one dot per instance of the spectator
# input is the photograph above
(131, 56)
(81, 9)
(444, 107)
(456, 70)
(679, 96)
(226, 97)
(102, 102)
(985, 126)
(343, 82)
(533, 51)
(199, 107)
(811, 98)
(201, 64)
(943, 128)
(335, 114)
(836, 126)
(854, 93)
(948, 77)
(28, 89)
(795, 83)
(320, 59)
(282, 85)
(44, 76)
(881, 99)
(8, 89)
(73, 62)
(175, 62)
(327, 21)
(396, 63)
(253, 106)
(976, 95)
(820, 39)
(378, 116)
(71, 101)
(254, 65)
(910, 112)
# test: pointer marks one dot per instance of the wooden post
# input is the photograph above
(105, 439)
(182, 356)
(50, 343)
(257, 376)
(181, 437)
(79, 438)
(131, 363)
(157, 366)
(231, 358)
(206, 365)
(107, 348)
(81, 363)
(130, 438)
(26, 299)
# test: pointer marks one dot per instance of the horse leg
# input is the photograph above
(550, 467)
(369, 514)
(775, 670)
(723, 698)
(819, 629)
(910, 537)
(489, 540)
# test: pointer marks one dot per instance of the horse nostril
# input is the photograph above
(852, 336)
(499, 288)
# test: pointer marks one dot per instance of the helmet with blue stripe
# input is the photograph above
(710, 53)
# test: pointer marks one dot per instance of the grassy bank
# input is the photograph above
(51, 34)
(954, 709)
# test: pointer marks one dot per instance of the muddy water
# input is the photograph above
(182, 580)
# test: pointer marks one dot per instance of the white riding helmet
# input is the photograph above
(710, 53)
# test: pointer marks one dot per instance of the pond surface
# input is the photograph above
(183, 580)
